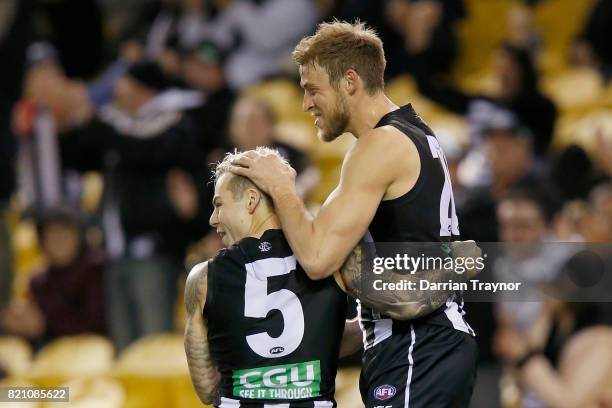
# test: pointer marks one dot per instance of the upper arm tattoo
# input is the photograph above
(195, 288)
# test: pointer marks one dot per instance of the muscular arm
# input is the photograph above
(204, 375)
(322, 243)
(584, 379)
(404, 304)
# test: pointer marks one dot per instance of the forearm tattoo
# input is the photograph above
(398, 304)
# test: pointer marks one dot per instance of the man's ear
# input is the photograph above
(254, 198)
(351, 81)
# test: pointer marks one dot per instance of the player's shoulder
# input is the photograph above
(230, 255)
(386, 142)
(197, 272)
(196, 287)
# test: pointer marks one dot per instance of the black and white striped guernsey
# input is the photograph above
(273, 333)
(425, 214)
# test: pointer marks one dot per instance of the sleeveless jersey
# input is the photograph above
(425, 214)
(273, 333)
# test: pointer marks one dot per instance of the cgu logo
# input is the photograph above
(277, 377)
(277, 350)
(384, 392)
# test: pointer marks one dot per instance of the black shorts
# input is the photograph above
(420, 366)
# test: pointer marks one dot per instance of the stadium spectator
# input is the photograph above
(67, 298)
(148, 151)
(508, 151)
(157, 24)
(524, 217)
(267, 31)
(592, 48)
(414, 32)
(202, 70)
(252, 124)
(567, 359)
(598, 223)
(14, 34)
(518, 92)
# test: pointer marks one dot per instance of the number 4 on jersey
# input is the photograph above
(449, 224)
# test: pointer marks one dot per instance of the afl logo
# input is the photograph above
(265, 246)
(276, 350)
(384, 392)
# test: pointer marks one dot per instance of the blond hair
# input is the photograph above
(338, 46)
(239, 184)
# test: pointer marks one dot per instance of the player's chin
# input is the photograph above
(326, 136)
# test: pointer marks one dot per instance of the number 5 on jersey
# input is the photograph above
(258, 303)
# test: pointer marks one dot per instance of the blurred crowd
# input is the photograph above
(112, 111)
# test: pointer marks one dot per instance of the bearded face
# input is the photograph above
(325, 102)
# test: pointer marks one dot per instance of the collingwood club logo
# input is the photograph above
(265, 246)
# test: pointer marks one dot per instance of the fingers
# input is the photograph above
(244, 161)
(240, 171)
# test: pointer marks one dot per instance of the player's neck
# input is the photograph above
(368, 111)
(263, 223)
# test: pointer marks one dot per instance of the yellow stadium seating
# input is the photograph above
(154, 373)
(92, 393)
(15, 355)
(574, 88)
(71, 357)
(28, 257)
(583, 129)
(284, 96)
(559, 21)
(479, 34)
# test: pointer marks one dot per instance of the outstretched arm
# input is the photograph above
(204, 375)
(321, 243)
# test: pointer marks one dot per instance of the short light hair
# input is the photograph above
(239, 184)
(338, 46)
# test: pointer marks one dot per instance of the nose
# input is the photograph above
(214, 219)
(307, 102)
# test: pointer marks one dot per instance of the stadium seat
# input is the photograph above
(28, 257)
(154, 373)
(583, 130)
(15, 355)
(557, 37)
(71, 357)
(479, 34)
(300, 134)
(574, 88)
(92, 393)
(283, 95)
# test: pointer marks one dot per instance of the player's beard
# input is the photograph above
(336, 122)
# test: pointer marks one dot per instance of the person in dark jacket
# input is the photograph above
(148, 151)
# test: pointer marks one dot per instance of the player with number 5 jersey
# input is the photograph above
(259, 332)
